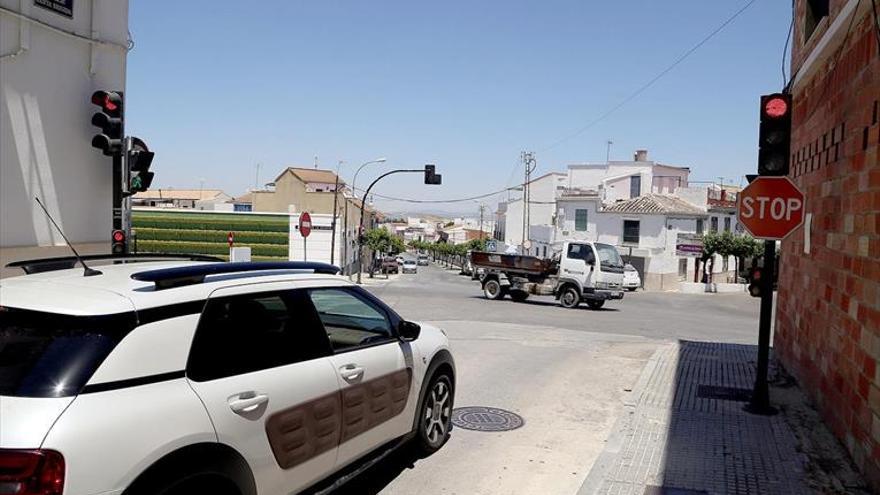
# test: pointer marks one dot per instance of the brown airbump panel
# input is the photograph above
(307, 430)
(373, 402)
(302, 432)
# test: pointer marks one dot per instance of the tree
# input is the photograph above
(379, 241)
(712, 243)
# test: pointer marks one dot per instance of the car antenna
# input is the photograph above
(87, 272)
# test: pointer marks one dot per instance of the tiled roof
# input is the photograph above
(312, 175)
(655, 204)
(194, 194)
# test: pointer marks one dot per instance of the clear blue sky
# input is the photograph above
(217, 87)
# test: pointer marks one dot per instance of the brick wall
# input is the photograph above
(828, 316)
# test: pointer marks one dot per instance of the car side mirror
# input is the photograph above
(408, 330)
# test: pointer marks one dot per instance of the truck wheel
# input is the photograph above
(570, 297)
(519, 295)
(493, 290)
(595, 304)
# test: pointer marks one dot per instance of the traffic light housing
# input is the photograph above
(139, 160)
(117, 242)
(755, 283)
(431, 177)
(110, 120)
(774, 140)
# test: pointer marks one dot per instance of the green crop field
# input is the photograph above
(205, 233)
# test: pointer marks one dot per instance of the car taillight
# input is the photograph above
(31, 472)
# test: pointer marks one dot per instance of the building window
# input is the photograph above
(545, 251)
(635, 186)
(631, 231)
(580, 220)
(815, 11)
(682, 268)
(727, 224)
(699, 225)
(713, 225)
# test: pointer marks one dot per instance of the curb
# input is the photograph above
(615, 440)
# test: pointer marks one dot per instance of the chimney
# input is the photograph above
(641, 155)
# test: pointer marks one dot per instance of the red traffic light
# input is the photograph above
(109, 101)
(118, 236)
(776, 107)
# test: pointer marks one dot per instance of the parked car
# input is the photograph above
(400, 260)
(410, 266)
(631, 279)
(423, 259)
(181, 377)
(389, 265)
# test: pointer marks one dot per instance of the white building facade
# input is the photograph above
(53, 55)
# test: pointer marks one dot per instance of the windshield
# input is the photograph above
(52, 355)
(608, 256)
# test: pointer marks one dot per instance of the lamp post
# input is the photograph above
(345, 215)
(333, 222)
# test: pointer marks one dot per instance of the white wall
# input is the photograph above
(45, 112)
(543, 192)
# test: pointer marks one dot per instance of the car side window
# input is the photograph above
(251, 332)
(581, 252)
(349, 319)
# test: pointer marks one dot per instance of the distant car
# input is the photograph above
(410, 266)
(389, 265)
(631, 279)
(423, 259)
(400, 260)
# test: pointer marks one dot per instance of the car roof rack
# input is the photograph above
(167, 278)
(66, 262)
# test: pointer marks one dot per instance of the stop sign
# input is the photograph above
(305, 224)
(770, 207)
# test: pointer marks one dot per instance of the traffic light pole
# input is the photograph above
(760, 402)
(360, 252)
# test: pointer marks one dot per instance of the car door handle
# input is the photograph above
(244, 403)
(351, 372)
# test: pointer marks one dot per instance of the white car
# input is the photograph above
(179, 377)
(409, 266)
(631, 279)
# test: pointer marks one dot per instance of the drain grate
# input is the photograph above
(724, 393)
(486, 419)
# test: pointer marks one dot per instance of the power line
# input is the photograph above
(656, 78)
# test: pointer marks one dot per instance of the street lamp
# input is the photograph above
(345, 214)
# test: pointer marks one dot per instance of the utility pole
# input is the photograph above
(528, 158)
(482, 207)
(608, 150)
(256, 180)
(335, 213)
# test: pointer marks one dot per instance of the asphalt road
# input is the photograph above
(565, 372)
(436, 294)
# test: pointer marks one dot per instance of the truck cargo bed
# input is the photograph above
(513, 263)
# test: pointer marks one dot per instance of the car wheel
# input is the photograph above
(594, 304)
(492, 289)
(435, 415)
(519, 295)
(632, 289)
(570, 297)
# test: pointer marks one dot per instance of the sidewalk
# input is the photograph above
(684, 432)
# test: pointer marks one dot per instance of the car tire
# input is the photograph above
(570, 297)
(492, 289)
(595, 304)
(632, 289)
(435, 415)
(519, 295)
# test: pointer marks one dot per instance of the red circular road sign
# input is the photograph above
(770, 207)
(305, 224)
(230, 238)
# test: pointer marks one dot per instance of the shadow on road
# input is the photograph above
(538, 302)
(375, 479)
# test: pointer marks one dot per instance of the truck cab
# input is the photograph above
(588, 271)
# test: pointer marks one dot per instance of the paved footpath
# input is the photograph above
(684, 432)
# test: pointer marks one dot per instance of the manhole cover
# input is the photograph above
(486, 419)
